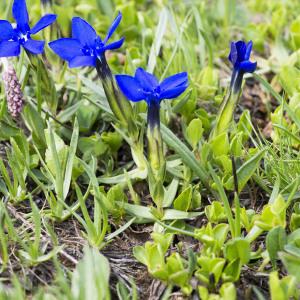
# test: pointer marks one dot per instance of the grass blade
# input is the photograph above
(278, 98)
(186, 155)
(70, 160)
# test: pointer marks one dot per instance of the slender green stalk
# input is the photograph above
(118, 104)
(236, 200)
(225, 114)
(155, 143)
(293, 192)
(58, 174)
(122, 109)
(100, 214)
(3, 239)
(157, 162)
(237, 215)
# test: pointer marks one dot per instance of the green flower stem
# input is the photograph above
(122, 109)
(155, 142)
(237, 203)
(237, 215)
(118, 104)
(155, 151)
(225, 114)
(157, 162)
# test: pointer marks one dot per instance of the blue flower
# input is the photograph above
(145, 86)
(239, 57)
(85, 45)
(12, 37)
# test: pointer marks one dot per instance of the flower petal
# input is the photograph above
(35, 47)
(113, 27)
(247, 66)
(130, 87)
(20, 13)
(66, 48)
(173, 93)
(241, 50)
(248, 50)
(42, 23)
(114, 45)
(83, 31)
(6, 30)
(174, 81)
(9, 48)
(82, 61)
(146, 80)
(240, 55)
(233, 53)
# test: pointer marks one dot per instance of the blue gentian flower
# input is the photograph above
(145, 86)
(85, 46)
(240, 58)
(12, 37)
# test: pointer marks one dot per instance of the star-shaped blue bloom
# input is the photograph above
(145, 86)
(85, 45)
(239, 57)
(12, 37)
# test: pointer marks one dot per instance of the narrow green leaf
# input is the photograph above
(35, 124)
(245, 172)
(120, 230)
(70, 160)
(170, 193)
(90, 279)
(157, 41)
(269, 88)
(173, 214)
(66, 114)
(186, 155)
(293, 136)
(138, 211)
(37, 229)
(6, 178)
(58, 167)
(224, 199)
